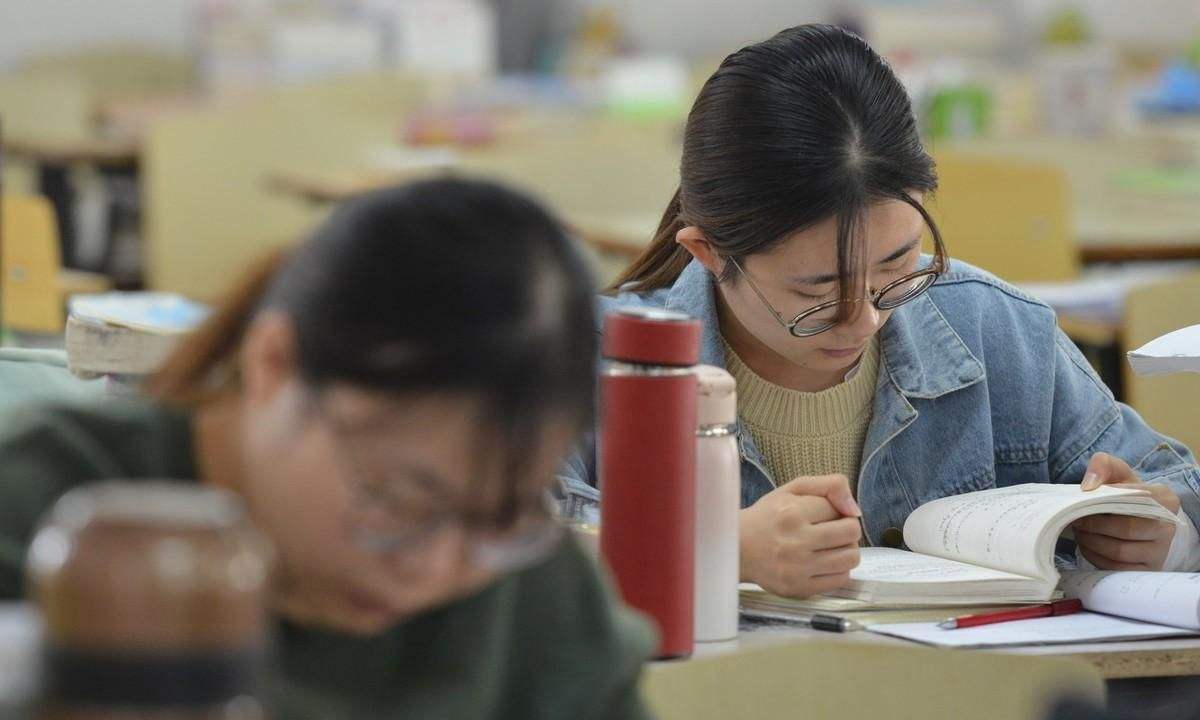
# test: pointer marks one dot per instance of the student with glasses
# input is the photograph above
(391, 399)
(871, 378)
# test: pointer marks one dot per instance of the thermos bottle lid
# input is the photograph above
(651, 336)
(717, 400)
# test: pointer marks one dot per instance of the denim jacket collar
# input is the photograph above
(923, 355)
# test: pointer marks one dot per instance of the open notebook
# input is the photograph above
(988, 547)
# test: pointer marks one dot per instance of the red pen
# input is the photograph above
(1058, 607)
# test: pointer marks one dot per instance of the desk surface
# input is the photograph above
(1142, 659)
(120, 127)
(623, 237)
(1114, 222)
(95, 150)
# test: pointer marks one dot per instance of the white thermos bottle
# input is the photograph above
(718, 498)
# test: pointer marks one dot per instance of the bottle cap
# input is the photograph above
(717, 401)
(651, 336)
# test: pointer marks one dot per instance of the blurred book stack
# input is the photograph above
(126, 334)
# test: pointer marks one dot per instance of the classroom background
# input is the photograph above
(151, 151)
(164, 145)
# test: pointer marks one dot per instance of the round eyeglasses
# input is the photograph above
(820, 318)
(404, 510)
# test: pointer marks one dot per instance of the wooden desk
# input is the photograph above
(828, 678)
(1140, 676)
(1114, 223)
(66, 151)
(1174, 657)
(623, 238)
(323, 189)
(52, 159)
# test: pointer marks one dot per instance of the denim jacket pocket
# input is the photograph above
(1163, 459)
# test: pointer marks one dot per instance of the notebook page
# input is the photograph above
(880, 564)
(1159, 597)
(1000, 527)
(1062, 629)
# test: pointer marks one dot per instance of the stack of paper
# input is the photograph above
(126, 333)
(1099, 294)
(1174, 352)
(760, 604)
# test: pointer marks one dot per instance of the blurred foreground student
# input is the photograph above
(871, 378)
(391, 402)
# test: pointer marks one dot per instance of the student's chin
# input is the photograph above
(361, 615)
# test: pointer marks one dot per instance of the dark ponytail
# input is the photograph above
(664, 259)
(809, 125)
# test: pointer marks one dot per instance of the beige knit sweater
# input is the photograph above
(806, 433)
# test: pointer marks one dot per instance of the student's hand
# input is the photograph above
(801, 538)
(1120, 542)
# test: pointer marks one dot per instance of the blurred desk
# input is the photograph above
(324, 189)
(608, 177)
(109, 140)
(1099, 333)
(52, 159)
(1140, 675)
(65, 151)
(624, 237)
(1113, 222)
(837, 677)
(1176, 657)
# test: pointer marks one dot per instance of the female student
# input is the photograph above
(391, 403)
(869, 375)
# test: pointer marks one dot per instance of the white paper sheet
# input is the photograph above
(1158, 597)
(1174, 352)
(1099, 293)
(1064, 629)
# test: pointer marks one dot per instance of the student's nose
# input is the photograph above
(863, 320)
(442, 553)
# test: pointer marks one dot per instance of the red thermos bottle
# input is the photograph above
(647, 465)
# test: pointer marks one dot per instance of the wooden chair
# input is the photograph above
(1010, 217)
(1168, 403)
(34, 287)
(824, 679)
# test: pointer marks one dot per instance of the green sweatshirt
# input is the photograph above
(548, 642)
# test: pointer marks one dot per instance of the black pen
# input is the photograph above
(816, 621)
(832, 623)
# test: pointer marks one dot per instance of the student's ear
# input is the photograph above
(697, 243)
(267, 359)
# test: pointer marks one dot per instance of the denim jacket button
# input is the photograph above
(892, 537)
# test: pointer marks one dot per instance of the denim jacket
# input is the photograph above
(977, 388)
